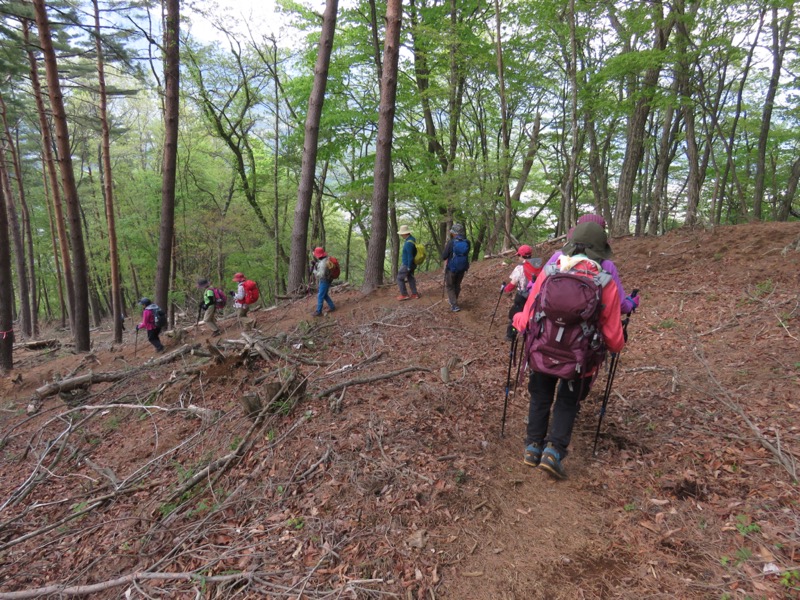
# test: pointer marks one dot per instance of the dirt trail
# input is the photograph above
(403, 486)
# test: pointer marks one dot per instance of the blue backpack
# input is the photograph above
(459, 257)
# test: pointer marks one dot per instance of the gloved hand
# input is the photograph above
(633, 302)
(519, 322)
(232, 294)
(509, 288)
(137, 328)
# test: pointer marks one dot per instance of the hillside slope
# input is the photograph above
(384, 480)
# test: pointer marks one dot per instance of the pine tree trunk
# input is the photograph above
(169, 164)
(108, 188)
(81, 290)
(6, 292)
(50, 167)
(59, 281)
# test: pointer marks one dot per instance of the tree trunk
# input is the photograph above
(6, 292)
(61, 302)
(297, 259)
(50, 166)
(505, 156)
(108, 187)
(780, 35)
(81, 290)
(373, 275)
(637, 122)
(169, 163)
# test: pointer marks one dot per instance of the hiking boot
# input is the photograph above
(415, 296)
(401, 297)
(317, 314)
(216, 334)
(455, 308)
(533, 454)
(330, 310)
(551, 462)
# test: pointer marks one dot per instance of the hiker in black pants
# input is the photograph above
(562, 367)
(149, 323)
(456, 253)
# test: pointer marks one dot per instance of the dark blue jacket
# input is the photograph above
(409, 250)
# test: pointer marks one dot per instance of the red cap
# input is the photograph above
(525, 251)
(319, 252)
(239, 277)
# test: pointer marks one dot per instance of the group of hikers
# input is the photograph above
(567, 312)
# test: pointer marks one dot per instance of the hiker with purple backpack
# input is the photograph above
(628, 303)
(571, 318)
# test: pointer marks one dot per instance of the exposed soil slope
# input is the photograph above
(159, 485)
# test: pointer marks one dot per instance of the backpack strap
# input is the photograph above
(602, 279)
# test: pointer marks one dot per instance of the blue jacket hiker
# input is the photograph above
(322, 274)
(456, 253)
(407, 265)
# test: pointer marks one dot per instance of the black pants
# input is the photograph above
(558, 430)
(152, 337)
(453, 283)
(519, 303)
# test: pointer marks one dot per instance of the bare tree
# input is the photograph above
(297, 259)
(81, 290)
(373, 275)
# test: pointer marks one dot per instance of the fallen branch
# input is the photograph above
(37, 344)
(85, 590)
(363, 380)
(786, 460)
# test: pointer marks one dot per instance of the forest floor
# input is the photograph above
(376, 474)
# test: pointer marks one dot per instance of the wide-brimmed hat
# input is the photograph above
(319, 252)
(404, 229)
(594, 240)
(458, 229)
(525, 251)
(591, 218)
(239, 277)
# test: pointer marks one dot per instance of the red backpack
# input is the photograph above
(532, 267)
(564, 338)
(250, 292)
(333, 268)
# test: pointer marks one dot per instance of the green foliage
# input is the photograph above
(745, 526)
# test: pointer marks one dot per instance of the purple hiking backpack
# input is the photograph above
(564, 339)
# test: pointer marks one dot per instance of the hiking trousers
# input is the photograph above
(404, 274)
(152, 337)
(210, 318)
(323, 296)
(453, 283)
(556, 430)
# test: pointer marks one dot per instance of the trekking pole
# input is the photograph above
(612, 369)
(521, 360)
(502, 287)
(444, 282)
(199, 312)
(511, 354)
(135, 342)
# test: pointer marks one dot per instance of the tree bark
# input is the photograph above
(780, 35)
(50, 167)
(19, 246)
(637, 122)
(6, 292)
(108, 187)
(298, 256)
(171, 53)
(81, 290)
(373, 275)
